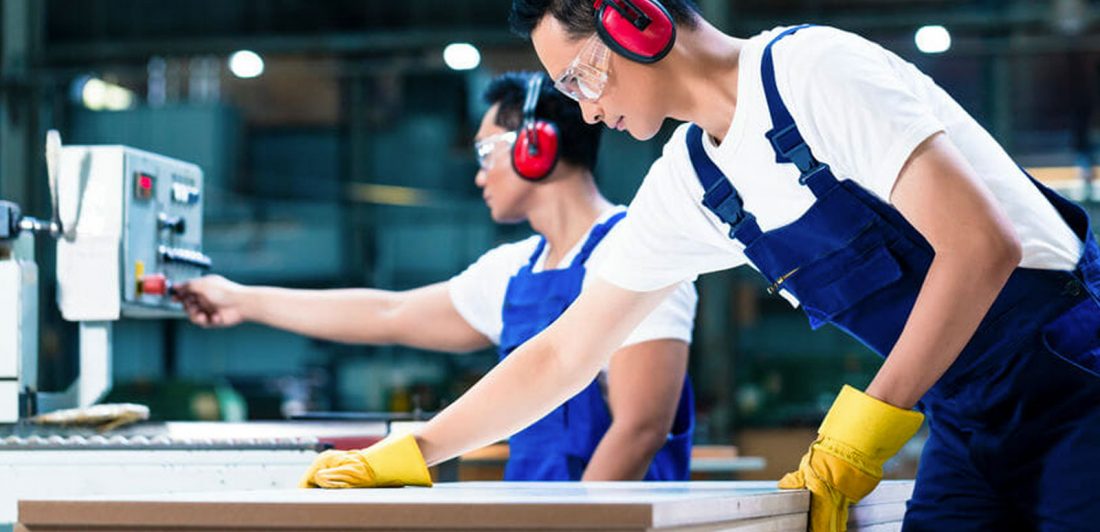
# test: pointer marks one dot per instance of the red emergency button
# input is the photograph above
(143, 186)
(154, 284)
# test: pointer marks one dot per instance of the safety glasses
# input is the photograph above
(585, 78)
(485, 147)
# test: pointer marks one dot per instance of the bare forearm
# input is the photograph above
(356, 315)
(954, 299)
(624, 453)
(539, 375)
(976, 251)
(523, 388)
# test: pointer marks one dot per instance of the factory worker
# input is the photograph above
(632, 421)
(867, 196)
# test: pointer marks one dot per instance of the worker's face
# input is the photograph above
(506, 193)
(629, 98)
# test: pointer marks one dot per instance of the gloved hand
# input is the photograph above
(392, 462)
(844, 464)
(324, 460)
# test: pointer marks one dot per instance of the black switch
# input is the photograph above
(9, 220)
(174, 223)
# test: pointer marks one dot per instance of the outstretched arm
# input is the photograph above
(540, 375)
(423, 317)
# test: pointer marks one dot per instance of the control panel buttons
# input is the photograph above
(189, 257)
(143, 185)
(185, 194)
(176, 224)
(154, 284)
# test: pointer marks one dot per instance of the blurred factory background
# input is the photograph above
(335, 138)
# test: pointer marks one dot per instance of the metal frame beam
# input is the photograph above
(350, 43)
(16, 43)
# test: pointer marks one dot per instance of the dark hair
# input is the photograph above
(579, 16)
(578, 140)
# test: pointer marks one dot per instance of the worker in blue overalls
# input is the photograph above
(635, 419)
(866, 195)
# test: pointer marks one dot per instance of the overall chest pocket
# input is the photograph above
(838, 282)
(833, 257)
(1075, 336)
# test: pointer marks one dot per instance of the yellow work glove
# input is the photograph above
(844, 464)
(392, 462)
(324, 460)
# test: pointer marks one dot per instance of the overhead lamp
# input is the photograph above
(99, 95)
(246, 64)
(933, 39)
(461, 56)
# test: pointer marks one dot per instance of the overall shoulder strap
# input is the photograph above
(596, 236)
(538, 252)
(784, 136)
(720, 197)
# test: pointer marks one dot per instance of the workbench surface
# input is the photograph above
(467, 506)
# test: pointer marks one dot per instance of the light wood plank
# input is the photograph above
(689, 506)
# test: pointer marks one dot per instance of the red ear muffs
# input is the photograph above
(535, 152)
(640, 30)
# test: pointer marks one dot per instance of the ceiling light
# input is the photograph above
(461, 56)
(933, 39)
(246, 64)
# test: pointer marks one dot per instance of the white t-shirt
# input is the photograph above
(862, 110)
(478, 292)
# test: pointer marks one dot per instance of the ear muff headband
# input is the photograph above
(640, 30)
(535, 152)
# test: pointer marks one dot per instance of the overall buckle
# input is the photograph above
(730, 208)
(790, 146)
(724, 202)
(806, 176)
(734, 227)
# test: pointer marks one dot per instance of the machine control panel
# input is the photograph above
(133, 224)
(162, 231)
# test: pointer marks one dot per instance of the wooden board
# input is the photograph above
(786, 523)
(881, 511)
(887, 492)
(688, 506)
(491, 505)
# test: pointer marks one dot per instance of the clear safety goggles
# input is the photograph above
(485, 147)
(585, 78)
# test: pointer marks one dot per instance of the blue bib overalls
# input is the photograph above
(1015, 422)
(559, 446)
